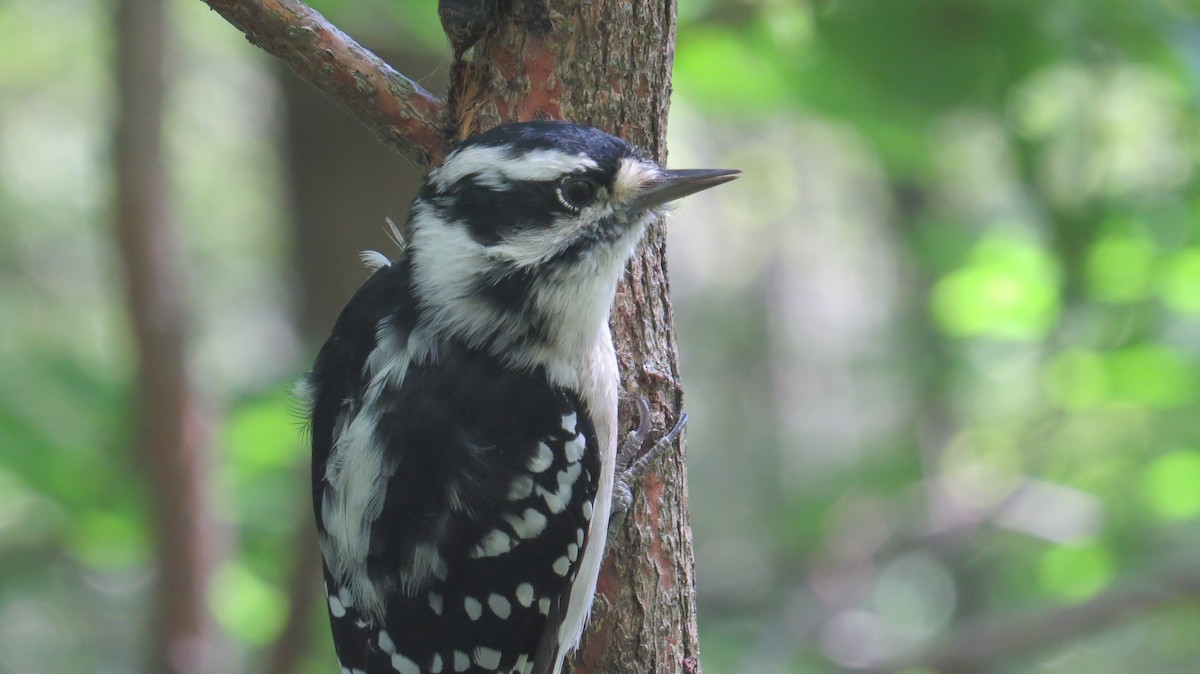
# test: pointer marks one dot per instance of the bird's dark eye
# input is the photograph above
(575, 193)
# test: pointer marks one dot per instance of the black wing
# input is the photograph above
(485, 514)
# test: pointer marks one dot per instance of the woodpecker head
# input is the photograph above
(519, 239)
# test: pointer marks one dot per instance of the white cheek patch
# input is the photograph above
(451, 265)
(632, 175)
(529, 249)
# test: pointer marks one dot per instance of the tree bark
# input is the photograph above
(171, 429)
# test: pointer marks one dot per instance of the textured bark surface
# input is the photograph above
(608, 65)
(171, 429)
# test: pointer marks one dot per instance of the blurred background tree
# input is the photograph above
(941, 343)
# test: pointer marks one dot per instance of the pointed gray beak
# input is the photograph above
(672, 185)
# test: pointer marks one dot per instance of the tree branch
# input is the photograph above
(401, 113)
(983, 646)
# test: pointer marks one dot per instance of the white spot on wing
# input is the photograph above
(587, 510)
(336, 608)
(542, 459)
(570, 423)
(436, 667)
(435, 602)
(562, 565)
(544, 606)
(499, 605)
(461, 661)
(572, 552)
(530, 525)
(487, 658)
(473, 608)
(494, 543)
(525, 594)
(385, 642)
(521, 488)
(554, 500)
(575, 448)
(404, 665)
(568, 476)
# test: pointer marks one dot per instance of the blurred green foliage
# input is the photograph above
(941, 344)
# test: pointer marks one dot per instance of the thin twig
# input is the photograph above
(979, 647)
(398, 110)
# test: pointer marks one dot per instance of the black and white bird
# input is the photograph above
(464, 408)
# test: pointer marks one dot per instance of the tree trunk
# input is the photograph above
(171, 430)
(608, 65)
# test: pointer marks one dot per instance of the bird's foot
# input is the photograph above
(632, 462)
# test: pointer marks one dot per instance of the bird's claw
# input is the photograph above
(632, 462)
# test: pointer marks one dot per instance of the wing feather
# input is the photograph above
(457, 543)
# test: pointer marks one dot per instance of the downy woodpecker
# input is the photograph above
(464, 409)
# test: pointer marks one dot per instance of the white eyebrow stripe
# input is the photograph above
(496, 166)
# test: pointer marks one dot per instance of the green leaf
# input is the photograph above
(1120, 268)
(264, 434)
(712, 70)
(1180, 287)
(1171, 485)
(247, 606)
(1151, 374)
(1008, 289)
(1076, 572)
(109, 540)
